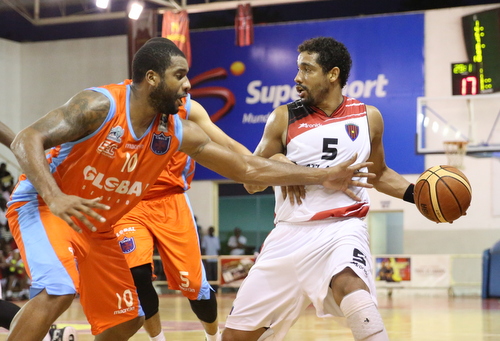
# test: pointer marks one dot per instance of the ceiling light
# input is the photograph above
(102, 3)
(135, 10)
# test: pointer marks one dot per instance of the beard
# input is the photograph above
(163, 100)
(313, 98)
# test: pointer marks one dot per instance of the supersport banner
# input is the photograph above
(241, 86)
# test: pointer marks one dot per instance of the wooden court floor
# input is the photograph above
(407, 317)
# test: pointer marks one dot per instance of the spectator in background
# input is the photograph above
(237, 243)
(17, 280)
(199, 230)
(6, 179)
(210, 246)
(5, 235)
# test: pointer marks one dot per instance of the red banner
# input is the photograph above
(176, 28)
(243, 24)
(139, 32)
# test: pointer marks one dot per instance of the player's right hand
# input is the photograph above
(70, 208)
(345, 174)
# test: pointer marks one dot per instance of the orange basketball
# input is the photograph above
(442, 194)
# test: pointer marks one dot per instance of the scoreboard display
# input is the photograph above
(481, 74)
(465, 78)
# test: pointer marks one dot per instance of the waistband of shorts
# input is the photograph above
(161, 194)
(316, 222)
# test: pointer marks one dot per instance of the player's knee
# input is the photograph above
(362, 315)
(240, 335)
(131, 327)
(145, 289)
(205, 310)
(56, 304)
(123, 331)
(346, 282)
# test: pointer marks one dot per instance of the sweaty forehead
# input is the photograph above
(307, 58)
(178, 63)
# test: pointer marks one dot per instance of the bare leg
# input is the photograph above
(121, 332)
(240, 335)
(35, 318)
(211, 328)
(354, 299)
(346, 282)
(153, 325)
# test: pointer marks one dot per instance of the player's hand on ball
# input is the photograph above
(346, 174)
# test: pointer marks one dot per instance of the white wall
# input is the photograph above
(54, 71)
(38, 77)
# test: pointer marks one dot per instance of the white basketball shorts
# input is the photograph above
(295, 268)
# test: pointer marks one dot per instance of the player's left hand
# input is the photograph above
(345, 174)
(294, 193)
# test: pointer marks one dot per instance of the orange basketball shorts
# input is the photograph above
(63, 262)
(169, 224)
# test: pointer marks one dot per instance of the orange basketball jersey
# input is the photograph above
(177, 176)
(112, 163)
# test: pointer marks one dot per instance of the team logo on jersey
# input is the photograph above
(116, 134)
(352, 130)
(160, 143)
(127, 244)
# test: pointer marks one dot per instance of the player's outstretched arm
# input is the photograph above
(261, 171)
(79, 117)
(199, 115)
(6, 135)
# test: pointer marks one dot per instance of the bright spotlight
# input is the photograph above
(135, 10)
(102, 3)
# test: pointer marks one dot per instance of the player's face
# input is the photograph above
(167, 96)
(311, 83)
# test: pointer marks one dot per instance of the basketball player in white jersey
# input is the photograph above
(319, 250)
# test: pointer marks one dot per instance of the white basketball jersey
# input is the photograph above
(317, 140)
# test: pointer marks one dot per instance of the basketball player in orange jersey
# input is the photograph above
(319, 250)
(108, 145)
(8, 309)
(164, 218)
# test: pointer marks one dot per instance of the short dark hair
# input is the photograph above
(331, 53)
(154, 55)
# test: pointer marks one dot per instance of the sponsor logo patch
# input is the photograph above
(116, 134)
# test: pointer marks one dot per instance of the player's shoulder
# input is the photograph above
(373, 111)
(88, 108)
(197, 112)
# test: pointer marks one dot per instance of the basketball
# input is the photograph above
(442, 194)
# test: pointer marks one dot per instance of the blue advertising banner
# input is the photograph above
(241, 86)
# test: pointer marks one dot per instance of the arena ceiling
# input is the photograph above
(39, 20)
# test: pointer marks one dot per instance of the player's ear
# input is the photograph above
(333, 74)
(152, 78)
